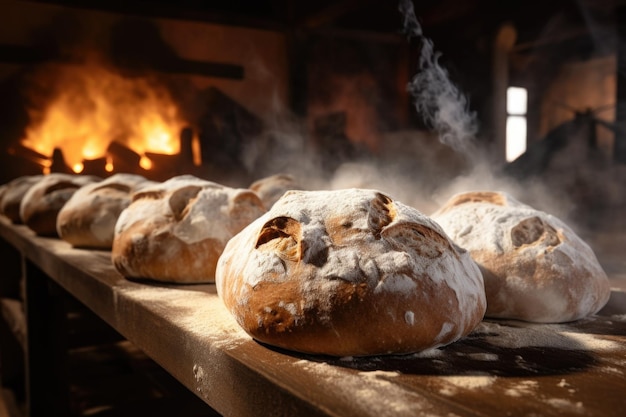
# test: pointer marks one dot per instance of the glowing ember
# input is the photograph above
(145, 162)
(108, 167)
(196, 150)
(92, 106)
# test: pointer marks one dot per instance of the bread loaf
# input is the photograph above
(88, 218)
(43, 200)
(175, 231)
(271, 188)
(535, 267)
(349, 273)
(13, 194)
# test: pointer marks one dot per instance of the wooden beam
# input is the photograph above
(178, 11)
(444, 12)
(205, 68)
(360, 35)
(28, 55)
(554, 40)
(329, 13)
(24, 55)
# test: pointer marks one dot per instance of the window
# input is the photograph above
(516, 107)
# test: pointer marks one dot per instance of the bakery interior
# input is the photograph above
(325, 91)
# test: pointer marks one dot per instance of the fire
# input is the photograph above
(108, 167)
(145, 163)
(78, 168)
(92, 106)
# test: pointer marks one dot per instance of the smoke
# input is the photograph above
(420, 168)
(435, 97)
(535, 193)
(446, 109)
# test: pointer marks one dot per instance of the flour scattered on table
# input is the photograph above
(482, 356)
(454, 383)
(618, 317)
(611, 370)
(372, 391)
(197, 312)
(377, 374)
(557, 336)
(429, 353)
(589, 342)
(198, 373)
(564, 384)
(566, 405)
(522, 388)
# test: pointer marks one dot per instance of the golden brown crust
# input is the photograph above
(271, 188)
(535, 267)
(163, 257)
(349, 273)
(491, 197)
(13, 194)
(88, 218)
(176, 231)
(43, 201)
(351, 328)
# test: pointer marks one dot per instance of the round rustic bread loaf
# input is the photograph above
(13, 194)
(349, 273)
(88, 218)
(271, 188)
(176, 230)
(43, 200)
(534, 266)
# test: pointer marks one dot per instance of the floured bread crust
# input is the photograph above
(271, 188)
(535, 267)
(349, 273)
(88, 218)
(13, 194)
(175, 231)
(43, 200)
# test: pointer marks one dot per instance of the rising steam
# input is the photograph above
(435, 97)
(446, 109)
(411, 166)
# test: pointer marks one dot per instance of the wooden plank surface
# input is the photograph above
(502, 368)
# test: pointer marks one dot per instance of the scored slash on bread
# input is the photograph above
(271, 188)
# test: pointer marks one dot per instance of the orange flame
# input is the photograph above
(94, 106)
(108, 167)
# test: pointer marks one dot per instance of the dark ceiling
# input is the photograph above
(454, 18)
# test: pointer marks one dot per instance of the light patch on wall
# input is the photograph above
(516, 124)
(515, 137)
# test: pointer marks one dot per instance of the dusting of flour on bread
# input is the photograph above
(88, 218)
(176, 230)
(44, 200)
(329, 254)
(535, 266)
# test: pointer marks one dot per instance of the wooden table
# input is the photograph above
(502, 368)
